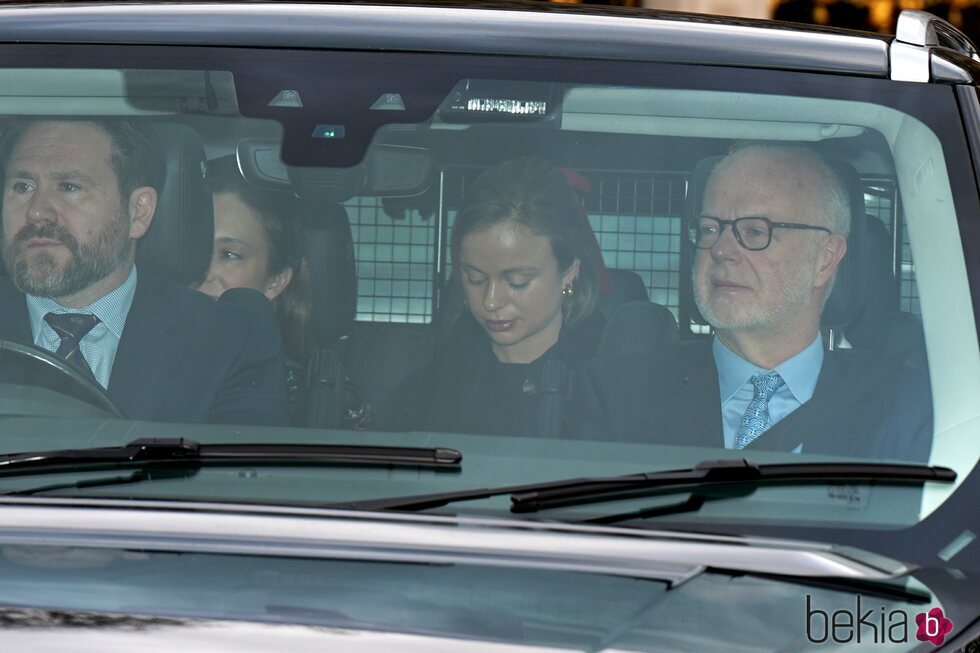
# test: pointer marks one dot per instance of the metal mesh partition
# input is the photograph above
(636, 217)
(881, 200)
(395, 262)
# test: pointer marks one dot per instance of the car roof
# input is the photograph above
(507, 28)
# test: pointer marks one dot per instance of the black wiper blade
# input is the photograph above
(184, 452)
(738, 471)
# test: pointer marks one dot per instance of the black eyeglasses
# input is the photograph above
(753, 234)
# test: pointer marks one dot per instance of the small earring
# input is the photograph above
(568, 291)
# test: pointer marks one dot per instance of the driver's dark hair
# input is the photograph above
(136, 154)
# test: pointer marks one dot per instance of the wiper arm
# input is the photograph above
(737, 472)
(146, 474)
(181, 452)
(866, 587)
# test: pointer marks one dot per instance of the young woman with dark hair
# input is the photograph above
(258, 243)
(527, 266)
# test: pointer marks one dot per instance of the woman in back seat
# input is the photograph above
(258, 244)
(525, 260)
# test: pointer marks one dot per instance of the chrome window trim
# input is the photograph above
(656, 36)
(310, 533)
(910, 63)
(926, 30)
(920, 38)
(945, 70)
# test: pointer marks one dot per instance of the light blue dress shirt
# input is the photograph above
(734, 373)
(100, 344)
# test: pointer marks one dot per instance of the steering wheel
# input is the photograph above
(29, 365)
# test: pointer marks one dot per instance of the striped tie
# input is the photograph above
(756, 419)
(71, 328)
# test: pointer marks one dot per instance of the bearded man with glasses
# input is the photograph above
(767, 243)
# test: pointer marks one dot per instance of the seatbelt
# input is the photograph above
(326, 390)
(551, 397)
(808, 423)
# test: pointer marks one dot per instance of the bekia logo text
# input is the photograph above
(873, 625)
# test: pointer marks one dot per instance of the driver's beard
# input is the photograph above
(41, 274)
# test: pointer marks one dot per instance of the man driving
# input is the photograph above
(767, 244)
(78, 196)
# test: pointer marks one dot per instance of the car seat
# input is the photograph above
(850, 291)
(329, 253)
(179, 242)
(638, 326)
(624, 286)
(863, 307)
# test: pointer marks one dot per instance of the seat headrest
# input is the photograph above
(181, 236)
(329, 254)
(850, 288)
(881, 321)
(624, 286)
(692, 207)
(638, 326)
(847, 299)
(451, 308)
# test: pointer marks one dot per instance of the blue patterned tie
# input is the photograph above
(756, 419)
(71, 328)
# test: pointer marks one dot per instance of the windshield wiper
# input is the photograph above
(175, 458)
(181, 452)
(743, 473)
(711, 479)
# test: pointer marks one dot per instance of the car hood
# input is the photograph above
(127, 574)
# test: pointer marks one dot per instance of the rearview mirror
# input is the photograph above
(386, 171)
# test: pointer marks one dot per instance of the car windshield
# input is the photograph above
(557, 268)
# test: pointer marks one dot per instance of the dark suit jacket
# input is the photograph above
(184, 357)
(862, 406)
